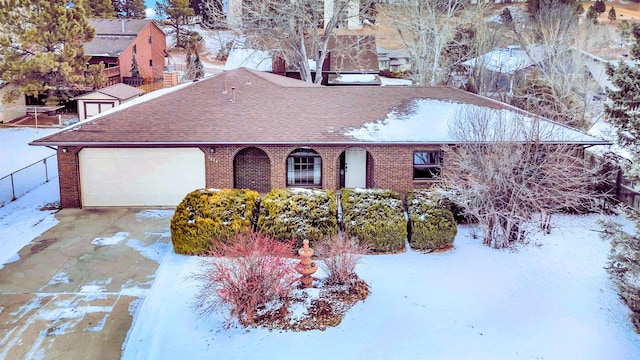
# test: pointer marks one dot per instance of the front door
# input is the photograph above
(355, 168)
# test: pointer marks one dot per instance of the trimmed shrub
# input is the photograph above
(443, 198)
(206, 218)
(432, 225)
(249, 272)
(375, 217)
(298, 214)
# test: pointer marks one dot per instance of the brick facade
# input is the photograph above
(264, 167)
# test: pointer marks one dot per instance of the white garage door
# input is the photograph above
(139, 177)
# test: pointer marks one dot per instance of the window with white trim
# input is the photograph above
(304, 168)
(427, 164)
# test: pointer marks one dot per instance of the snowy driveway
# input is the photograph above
(71, 292)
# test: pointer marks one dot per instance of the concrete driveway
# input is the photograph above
(73, 293)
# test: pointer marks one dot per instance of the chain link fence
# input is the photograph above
(28, 178)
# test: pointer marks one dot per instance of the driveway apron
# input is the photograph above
(74, 290)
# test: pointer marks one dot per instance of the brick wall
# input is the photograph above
(388, 167)
(69, 177)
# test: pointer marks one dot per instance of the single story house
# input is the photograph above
(393, 60)
(101, 100)
(256, 130)
(507, 67)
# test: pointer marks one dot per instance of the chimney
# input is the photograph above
(122, 23)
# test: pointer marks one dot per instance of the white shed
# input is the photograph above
(104, 99)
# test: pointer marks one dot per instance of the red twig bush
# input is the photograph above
(341, 255)
(245, 274)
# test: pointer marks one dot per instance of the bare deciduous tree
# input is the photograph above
(556, 43)
(298, 32)
(508, 169)
(425, 28)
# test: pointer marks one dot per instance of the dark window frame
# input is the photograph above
(427, 164)
(304, 168)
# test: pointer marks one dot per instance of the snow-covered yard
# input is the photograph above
(551, 299)
(14, 151)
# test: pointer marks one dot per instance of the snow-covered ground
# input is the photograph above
(551, 299)
(21, 221)
(14, 151)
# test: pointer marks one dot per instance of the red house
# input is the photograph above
(118, 40)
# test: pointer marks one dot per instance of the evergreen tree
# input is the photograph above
(612, 14)
(178, 13)
(592, 14)
(622, 112)
(41, 49)
(129, 9)
(505, 16)
(600, 6)
(99, 9)
(135, 70)
(534, 6)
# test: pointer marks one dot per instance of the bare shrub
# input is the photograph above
(243, 275)
(341, 255)
(510, 168)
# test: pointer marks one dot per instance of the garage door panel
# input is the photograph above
(139, 177)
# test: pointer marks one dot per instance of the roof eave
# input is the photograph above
(300, 143)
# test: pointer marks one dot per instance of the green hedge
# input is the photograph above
(207, 217)
(432, 225)
(298, 214)
(375, 216)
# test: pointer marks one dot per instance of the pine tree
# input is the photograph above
(135, 71)
(612, 14)
(178, 13)
(129, 9)
(623, 114)
(102, 9)
(600, 6)
(506, 17)
(42, 52)
(592, 14)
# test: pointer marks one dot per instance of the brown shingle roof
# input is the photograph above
(119, 91)
(248, 107)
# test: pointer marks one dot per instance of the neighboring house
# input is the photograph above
(507, 67)
(13, 110)
(256, 130)
(352, 60)
(393, 60)
(101, 100)
(118, 40)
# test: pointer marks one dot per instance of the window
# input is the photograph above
(135, 49)
(150, 62)
(426, 164)
(149, 39)
(304, 167)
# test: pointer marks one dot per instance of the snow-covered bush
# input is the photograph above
(206, 218)
(432, 225)
(624, 266)
(298, 214)
(244, 275)
(340, 256)
(375, 217)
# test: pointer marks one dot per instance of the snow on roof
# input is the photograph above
(356, 78)
(604, 130)
(417, 125)
(508, 60)
(242, 55)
